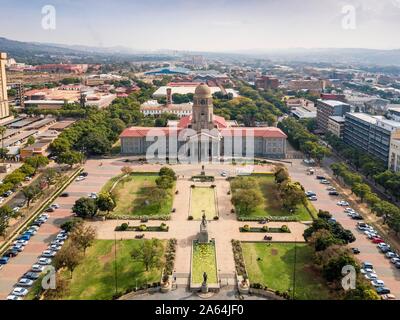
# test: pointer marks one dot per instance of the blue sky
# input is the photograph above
(207, 25)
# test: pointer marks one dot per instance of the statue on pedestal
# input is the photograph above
(204, 285)
(203, 236)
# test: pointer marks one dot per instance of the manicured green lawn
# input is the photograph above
(275, 268)
(134, 196)
(204, 261)
(202, 198)
(271, 205)
(94, 278)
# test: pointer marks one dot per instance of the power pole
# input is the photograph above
(294, 269)
(115, 263)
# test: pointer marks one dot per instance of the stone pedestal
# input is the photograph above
(204, 288)
(203, 236)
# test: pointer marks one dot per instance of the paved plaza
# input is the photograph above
(223, 230)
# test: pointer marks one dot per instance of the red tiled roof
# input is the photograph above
(265, 132)
(185, 121)
(143, 131)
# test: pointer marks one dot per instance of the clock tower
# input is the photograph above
(202, 113)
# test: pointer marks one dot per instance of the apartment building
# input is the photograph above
(330, 108)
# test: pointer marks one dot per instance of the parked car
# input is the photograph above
(18, 247)
(13, 297)
(343, 203)
(44, 261)
(312, 198)
(48, 254)
(4, 260)
(37, 268)
(377, 240)
(54, 247)
(331, 188)
(377, 283)
(64, 194)
(25, 282)
(11, 253)
(50, 209)
(356, 216)
(55, 206)
(84, 174)
(310, 193)
(320, 178)
(395, 260)
(333, 193)
(371, 276)
(355, 250)
(382, 290)
(21, 242)
(397, 265)
(391, 254)
(32, 275)
(20, 292)
(80, 178)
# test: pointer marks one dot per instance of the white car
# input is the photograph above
(37, 268)
(391, 254)
(371, 276)
(80, 178)
(44, 261)
(377, 283)
(343, 203)
(13, 297)
(349, 210)
(48, 253)
(24, 282)
(21, 242)
(55, 206)
(19, 292)
(395, 260)
(54, 247)
(367, 270)
(92, 195)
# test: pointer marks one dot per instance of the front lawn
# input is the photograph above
(134, 196)
(94, 278)
(203, 198)
(272, 265)
(271, 205)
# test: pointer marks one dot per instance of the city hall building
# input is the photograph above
(203, 136)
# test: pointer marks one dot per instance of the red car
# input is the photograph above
(377, 240)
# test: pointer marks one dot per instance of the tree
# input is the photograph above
(165, 182)
(361, 190)
(14, 178)
(37, 162)
(362, 292)
(31, 193)
(30, 141)
(50, 175)
(332, 270)
(59, 146)
(27, 169)
(70, 158)
(292, 194)
(68, 257)
(165, 171)
(5, 215)
(83, 237)
(3, 153)
(69, 225)
(281, 175)
(95, 143)
(323, 239)
(243, 183)
(85, 208)
(105, 202)
(149, 252)
(246, 200)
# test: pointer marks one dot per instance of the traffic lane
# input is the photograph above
(386, 271)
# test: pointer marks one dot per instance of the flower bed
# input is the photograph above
(238, 257)
(143, 228)
(265, 229)
(204, 260)
(269, 218)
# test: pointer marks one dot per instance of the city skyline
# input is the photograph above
(200, 26)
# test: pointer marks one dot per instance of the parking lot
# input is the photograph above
(22, 263)
(369, 251)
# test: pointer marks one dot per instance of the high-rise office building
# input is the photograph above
(329, 108)
(4, 109)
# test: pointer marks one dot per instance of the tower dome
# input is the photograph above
(202, 91)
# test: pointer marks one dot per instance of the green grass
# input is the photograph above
(94, 278)
(271, 205)
(132, 192)
(275, 269)
(204, 261)
(203, 198)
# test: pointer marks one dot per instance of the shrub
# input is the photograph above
(246, 228)
(142, 227)
(124, 227)
(285, 228)
(216, 218)
(163, 226)
(190, 218)
(265, 228)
